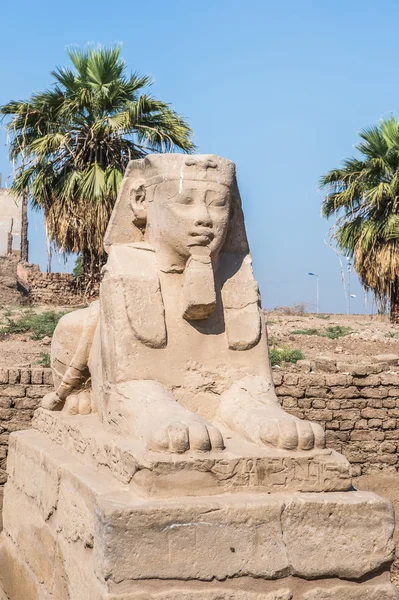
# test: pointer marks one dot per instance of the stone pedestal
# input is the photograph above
(79, 527)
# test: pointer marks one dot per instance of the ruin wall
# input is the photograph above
(58, 289)
(359, 411)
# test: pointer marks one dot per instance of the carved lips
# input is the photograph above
(201, 237)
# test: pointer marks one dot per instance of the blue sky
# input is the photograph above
(281, 88)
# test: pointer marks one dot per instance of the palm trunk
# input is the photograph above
(24, 228)
(394, 303)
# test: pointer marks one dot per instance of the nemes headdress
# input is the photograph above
(239, 290)
(158, 168)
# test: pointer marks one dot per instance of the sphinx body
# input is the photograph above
(176, 343)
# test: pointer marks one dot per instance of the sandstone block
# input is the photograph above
(360, 370)
(48, 377)
(345, 392)
(374, 413)
(327, 365)
(36, 391)
(375, 423)
(318, 403)
(290, 379)
(347, 425)
(338, 379)
(13, 391)
(390, 359)
(369, 380)
(13, 376)
(367, 435)
(333, 404)
(388, 447)
(370, 591)
(317, 392)
(3, 376)
(311, 380)
(389, 403)
(351, 414)
(374, 392)
(361, 424)
(37, 376)
(304, 366)
(293, 391)
(289, 402)
(389, 424)
(391, 379)
(319, 415)
(25, 376)
(36, 542)
(277, 378)
(331, 519)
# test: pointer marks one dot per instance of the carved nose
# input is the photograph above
(204, 221)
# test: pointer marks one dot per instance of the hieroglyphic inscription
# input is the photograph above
(316, 471)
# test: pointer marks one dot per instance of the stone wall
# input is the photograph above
(20, 394)
(48, 288)
(359, 410)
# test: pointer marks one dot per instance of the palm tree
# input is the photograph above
(364, 197)
(73, 142)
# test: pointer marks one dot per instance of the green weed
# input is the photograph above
(337, 331)
(38, 325)
(280, 355)
(306, 332)
(333, 332)
(44, 360)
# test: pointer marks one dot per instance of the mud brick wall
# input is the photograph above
(20, 394)
(48, 288)
(359, 412)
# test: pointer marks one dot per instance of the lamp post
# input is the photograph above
(348, 308)
(317, 290)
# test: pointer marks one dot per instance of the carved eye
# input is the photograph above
(181, 199)
(214, 199)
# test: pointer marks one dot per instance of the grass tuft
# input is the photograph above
(306, 332)
(44, 360)
(332, 333)
(38, 325)
(280, 355)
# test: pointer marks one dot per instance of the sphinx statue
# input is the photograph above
(177, 342)
(162, 467)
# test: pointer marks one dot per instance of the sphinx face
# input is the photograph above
(189, 217)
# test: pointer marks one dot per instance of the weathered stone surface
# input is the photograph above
(390, 359)
(163, 464)
(328, 521)
(361, 592)
(124, 536)
(240, 467)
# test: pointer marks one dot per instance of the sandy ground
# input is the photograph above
(368, 336)
(19, 350)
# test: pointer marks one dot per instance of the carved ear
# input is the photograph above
(138, 203)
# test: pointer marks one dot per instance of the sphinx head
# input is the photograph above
(183, 205)
(188, 209)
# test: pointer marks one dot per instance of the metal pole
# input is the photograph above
(317, 295)
(349, 287)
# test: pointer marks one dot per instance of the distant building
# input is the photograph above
(10, 223)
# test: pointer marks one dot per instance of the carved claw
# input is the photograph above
(180, 437)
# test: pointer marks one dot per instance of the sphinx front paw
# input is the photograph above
(183, 435)
(290, 433)
(52, 402)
